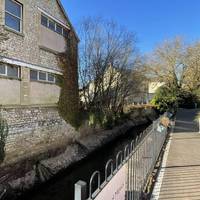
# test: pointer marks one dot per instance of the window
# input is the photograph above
(12, 71)
(13, 15)
(33, 75)
(52, 25)
(2, 69)
(42, 76)
(9, 70)
(59, 29)
(44, 21)
(65, 33)
(51, 78)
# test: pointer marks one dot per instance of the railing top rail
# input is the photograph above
(122, 157)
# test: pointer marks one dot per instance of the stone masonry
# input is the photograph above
(25, 46)
(29, 105)
(32, 129)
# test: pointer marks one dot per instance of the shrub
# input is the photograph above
(187, 99)
(165, 99)
(3, 137)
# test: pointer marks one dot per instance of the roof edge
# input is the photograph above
(65, 14)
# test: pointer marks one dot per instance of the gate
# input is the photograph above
(126, 176)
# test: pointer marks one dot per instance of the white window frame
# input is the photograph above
(56, 24)
(47, 21)
(6, 72)
(61, 27)
(39, 76)
(44, 81)
(21, 19)
(54, 80)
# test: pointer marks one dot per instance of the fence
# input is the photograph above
(126, 179)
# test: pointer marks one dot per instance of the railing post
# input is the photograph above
(199, 124)
(80, 191)
(154, 141)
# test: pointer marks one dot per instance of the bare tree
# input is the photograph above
(166, 63)
(192, 73)
(107, 55)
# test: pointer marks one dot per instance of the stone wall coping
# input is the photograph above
(28, 106)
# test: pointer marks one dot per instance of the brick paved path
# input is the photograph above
(180, 173)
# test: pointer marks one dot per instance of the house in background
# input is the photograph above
(153, 87)
(37, 32)
(146, 92)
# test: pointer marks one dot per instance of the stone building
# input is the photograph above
(36, 32)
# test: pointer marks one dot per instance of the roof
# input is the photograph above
(66, 16)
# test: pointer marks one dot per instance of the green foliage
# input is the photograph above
(168, 98)
(69, 96)
(165, 99)
(187, 99)
(3, 137)
(197, 118)
(100, 119)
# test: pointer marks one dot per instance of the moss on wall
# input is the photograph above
(69, 97)
(3, 137)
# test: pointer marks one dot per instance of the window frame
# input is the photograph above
(40, 80)
(6, 71)
(60, 27)
(50, 20)
(53, 78)
(42, 73)
(16, 17)
(55, 27)
(36, 74)
(47, 26)
(67, 33)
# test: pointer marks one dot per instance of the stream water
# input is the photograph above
(61, 187)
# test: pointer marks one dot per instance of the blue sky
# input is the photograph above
(151, 20)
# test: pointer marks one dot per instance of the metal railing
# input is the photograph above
(139, 156)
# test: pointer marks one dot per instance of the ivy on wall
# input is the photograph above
(3, 137)
(69, 97)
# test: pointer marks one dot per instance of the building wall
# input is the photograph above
(50, 40)
(31, 128)
(26, 46)
(153, 86)
(36, 45)
(26, 92)
(41, 93)
(9, 91)
(31, 125)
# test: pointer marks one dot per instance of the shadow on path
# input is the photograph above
(186, 121)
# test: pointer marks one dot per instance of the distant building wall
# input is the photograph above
(153, 86)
